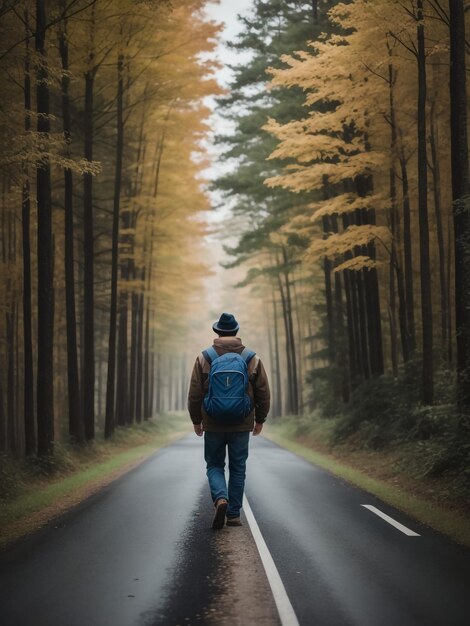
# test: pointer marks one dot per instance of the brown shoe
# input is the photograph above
(234, 521)
(219, 516)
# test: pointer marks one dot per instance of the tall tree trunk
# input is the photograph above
(327, 269)
(18, 388)
(342, 382)
(436, 174)
(140, 355)
(291, 335)
(154, 385)
(147, 403)
(289, 389)
(359, 305)
(4, 357)
(364, 185)
(341, 358)
(110, 419)
(394, 222)
(147, 387)
(28, 382)
(351, 327)
(395, 270)
(277, 360)
(76, 426)
(88, 378)
(3, 419)
(269, 335)
(352, 324)
(392, 289)
(45, 376)
(375, 318)
(408, 255)
(361, 298)
(169, 372)
(100, 387)
(300, 345)
(133, 354)
(149, 365)
(461, 200)
(11, 413)
(138, 296)
(449, 296)
(184, 385)
(427, 390)
(315, 11)
(122, 392)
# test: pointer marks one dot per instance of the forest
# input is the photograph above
(102, 119)
(347, 181)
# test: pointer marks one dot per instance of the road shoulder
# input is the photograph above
(245, 594)
(219, 579)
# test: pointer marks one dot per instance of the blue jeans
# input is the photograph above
(214, 454)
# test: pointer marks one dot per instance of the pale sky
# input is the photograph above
(226, 11)
(219, 295)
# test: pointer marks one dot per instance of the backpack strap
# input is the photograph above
(210, 354)
(247, 355)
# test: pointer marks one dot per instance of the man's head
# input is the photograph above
(227, 326)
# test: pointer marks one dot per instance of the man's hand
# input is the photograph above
(258, 428)
(198, 429)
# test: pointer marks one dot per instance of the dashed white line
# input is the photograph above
(391, 521)
(283, 604)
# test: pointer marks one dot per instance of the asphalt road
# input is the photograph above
(343, 565)
(142, 552)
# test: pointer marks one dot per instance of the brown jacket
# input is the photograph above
(258, 389)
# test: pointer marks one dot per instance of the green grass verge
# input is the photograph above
(448, 522)
(37, 497)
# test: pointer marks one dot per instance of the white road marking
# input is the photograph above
(284, 607)
(391, 521)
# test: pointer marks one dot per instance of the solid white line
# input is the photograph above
(284, 607)
(391, 521)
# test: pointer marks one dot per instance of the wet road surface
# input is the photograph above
(113, 560)
(343, 565)
(142, 552)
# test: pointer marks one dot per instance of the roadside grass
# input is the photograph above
(392, 474)
(34, 492)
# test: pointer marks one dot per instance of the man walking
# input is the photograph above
(228, 398)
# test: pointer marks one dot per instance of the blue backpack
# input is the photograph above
(227, 399)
